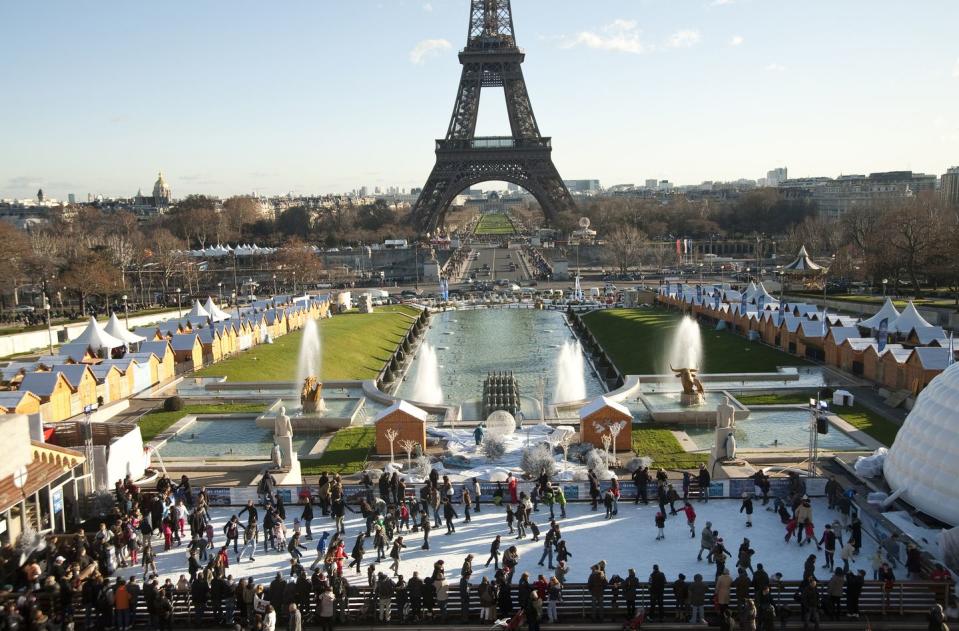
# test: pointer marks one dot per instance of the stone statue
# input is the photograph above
(282, 426)
(276, 456)
(725, 415)
(730, 447)
(311, 397)
(691, 383)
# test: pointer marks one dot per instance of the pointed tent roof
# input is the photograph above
(117, 330)
(888, 312)
(750, 293)
(96, 338)
(198, 311)
(802, 263)
(909, 320)
(767, 297)
(215, 312)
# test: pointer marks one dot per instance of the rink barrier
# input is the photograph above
(908, 598)
(574, 491)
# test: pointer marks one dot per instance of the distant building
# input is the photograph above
(71, 198)
(157, 203)
(835, 197)
(651, 184)
(950, 187)
(584, 187)
(776, 176)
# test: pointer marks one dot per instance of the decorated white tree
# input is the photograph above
(391, 435)
(607, 441)
(614, 430)
(408, 446)
(564, 441)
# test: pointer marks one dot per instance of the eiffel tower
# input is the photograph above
(491, 59)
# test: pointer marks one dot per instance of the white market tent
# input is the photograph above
(888, 313)
(803, 263)
(117, 330)
(97, 339)
(909, 320)
(198, 311)
(216, 314)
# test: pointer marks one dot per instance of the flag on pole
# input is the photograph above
(825, 320)
(882, 334)
(952, 350)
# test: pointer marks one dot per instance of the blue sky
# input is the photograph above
(329, 95)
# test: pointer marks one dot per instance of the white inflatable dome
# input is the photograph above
(924, 460)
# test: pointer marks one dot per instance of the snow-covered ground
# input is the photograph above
(626, 541)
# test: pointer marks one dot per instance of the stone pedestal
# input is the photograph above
(289, 472)
(691, 398)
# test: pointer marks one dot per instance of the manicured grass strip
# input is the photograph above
(874, 424)
(638, 340)
(496, 223)
(659, 444)
(779, 398)
(156, 422)
(346, 453)
(355, 346)
(930, 301)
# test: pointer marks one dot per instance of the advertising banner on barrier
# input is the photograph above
(574, 491)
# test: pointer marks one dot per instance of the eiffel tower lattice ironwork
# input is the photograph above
(491, 59)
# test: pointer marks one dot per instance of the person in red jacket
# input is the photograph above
(690, 518)
(511, 485)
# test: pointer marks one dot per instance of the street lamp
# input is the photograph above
(294, 281)
(885, 281)
(235, 304)
(219, 292)
(126, 311)
(46, 310)
(274, 285)
(178, 309)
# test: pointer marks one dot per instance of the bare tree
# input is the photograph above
(391, 435)
(408, 446)
(625, 245)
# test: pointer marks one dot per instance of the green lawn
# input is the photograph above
(929, 301)
(355, 346)
(494, 224)
(870, 422)
(779, 398)
(346, 453)
(156, 422)
(659, 444)
(637, 341)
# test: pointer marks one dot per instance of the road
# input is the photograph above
(498, 260)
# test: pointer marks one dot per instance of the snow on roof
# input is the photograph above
(861, 343)
(96, 338)
(812, 328)
(888, 312)
(183, 341)
(802, 263)
(402, 406)
(602, 402)
(839, 334)
(41, 384)
(909, 320)
(117, 330)
(932, 357)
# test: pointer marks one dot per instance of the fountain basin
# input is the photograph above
(669, 407)
(325, 421)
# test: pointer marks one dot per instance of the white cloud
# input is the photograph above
(955, 70)
(774, 67)
(621, 36)
(428, 47)
(737, 40)
(686, 38)
(427, 6)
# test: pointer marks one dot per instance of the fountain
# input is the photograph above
(693, 392)
(426, 381)
(570, 382)
(308, 370)
(686, 346)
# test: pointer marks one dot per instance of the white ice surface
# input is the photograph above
(628, 540)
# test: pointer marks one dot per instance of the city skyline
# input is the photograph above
(262, 99)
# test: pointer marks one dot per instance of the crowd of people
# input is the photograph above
(112, 571)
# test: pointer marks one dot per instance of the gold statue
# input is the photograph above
(311, 397)
(691, 383)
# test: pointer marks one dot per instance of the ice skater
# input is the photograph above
(747, 507)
